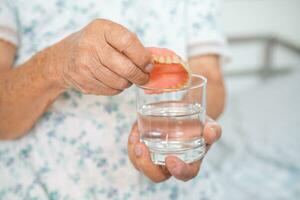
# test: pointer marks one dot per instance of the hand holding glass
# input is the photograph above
(171, 121)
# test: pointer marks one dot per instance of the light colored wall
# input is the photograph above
(280, 17)
(247, 17)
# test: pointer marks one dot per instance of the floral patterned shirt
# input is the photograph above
(78, 148)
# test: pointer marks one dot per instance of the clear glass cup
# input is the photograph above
(171, 121)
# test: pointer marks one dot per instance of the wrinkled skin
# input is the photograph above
(103, 58)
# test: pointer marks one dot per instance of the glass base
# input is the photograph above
(187, 155)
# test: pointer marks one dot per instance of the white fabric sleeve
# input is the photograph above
(8, 22)
(204, 35)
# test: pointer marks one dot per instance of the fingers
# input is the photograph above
(109, 57)
(211, 133)
(140, 158)
(144, 163)
(109, 78)
(133, 139)
(181, 170)
(128, 43)
(122, 66)
(83, 81)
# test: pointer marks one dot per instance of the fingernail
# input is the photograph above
(138, 151)
(149, 67)
(133, 139)
(213, 131)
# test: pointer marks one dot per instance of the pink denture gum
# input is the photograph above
(169, 70)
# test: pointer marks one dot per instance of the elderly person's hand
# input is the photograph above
(140, 157)
(103, 58)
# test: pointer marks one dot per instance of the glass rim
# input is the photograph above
(186, 87)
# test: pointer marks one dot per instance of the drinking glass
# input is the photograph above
(171, 121)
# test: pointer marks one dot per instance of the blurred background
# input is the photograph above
(259, 154)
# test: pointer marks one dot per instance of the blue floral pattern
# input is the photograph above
(78, 149)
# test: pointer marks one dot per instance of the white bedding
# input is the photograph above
(258, 155)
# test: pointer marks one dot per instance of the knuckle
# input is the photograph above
(110, 79)
(144, 79)
(128, 38)
(97, 22)
(145, 59)
(130, 72)
(122, 84)
(112, 92)
(106, 54)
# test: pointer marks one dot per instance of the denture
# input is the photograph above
(169, 70)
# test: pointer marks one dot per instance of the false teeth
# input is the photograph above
(161, 59)
(168, 60)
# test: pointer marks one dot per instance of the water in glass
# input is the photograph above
(172, 128)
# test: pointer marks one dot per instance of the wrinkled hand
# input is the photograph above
(103, 58)
(140, 157)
